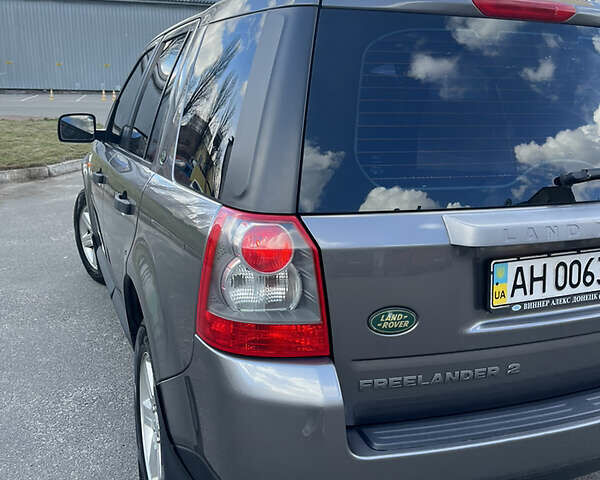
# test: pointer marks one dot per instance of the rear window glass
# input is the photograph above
(425, 112)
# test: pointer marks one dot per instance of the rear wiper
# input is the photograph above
(582, 176)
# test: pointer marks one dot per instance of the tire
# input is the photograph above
(87, 252)
(150, 451)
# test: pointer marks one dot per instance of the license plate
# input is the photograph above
(548, 281)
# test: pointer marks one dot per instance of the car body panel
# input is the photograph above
(95, 197)
(287, 417)
(233, 8)
(124, 177)
(165, 266)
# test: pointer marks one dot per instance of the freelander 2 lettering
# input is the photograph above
(436, 378)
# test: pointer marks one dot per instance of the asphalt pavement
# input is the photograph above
(39, 105)
(66, 375)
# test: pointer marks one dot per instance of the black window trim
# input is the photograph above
(153, 47)
(185, 31)
(150, 48)
(204, 26)
(201, 29)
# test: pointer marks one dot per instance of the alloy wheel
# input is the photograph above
(85, 235)
(149, 420)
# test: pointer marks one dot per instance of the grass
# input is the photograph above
(33, 143)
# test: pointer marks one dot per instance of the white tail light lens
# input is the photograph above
(246, 290)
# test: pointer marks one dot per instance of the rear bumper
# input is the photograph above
(269, 419)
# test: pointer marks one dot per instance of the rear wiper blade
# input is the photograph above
(581, 176)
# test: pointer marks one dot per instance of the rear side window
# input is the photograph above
(151, 96)
(159, 121)
(126, 104)
(213, 101)
(425, 112)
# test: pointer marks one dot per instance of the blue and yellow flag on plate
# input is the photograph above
(500, 287)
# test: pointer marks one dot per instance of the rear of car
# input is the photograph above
(362, 240)
(444, 287)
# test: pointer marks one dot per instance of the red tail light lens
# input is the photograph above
(267, 248)
(540, 10)
(261, 292)
(258, 340)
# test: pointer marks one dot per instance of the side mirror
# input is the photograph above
(77, 128)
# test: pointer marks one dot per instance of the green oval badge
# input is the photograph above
(393, 321)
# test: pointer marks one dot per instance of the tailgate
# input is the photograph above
(458, 276)
(461, 355)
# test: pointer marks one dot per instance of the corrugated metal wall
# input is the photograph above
(77, 44)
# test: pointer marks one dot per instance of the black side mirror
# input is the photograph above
(77, 128)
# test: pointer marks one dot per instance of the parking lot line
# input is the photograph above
(80, 98)
(29, 98)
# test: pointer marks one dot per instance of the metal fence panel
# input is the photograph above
(78, 44)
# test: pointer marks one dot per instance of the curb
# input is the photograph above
(38, 173)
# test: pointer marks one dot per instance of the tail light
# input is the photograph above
(540, 10)
(261, 292)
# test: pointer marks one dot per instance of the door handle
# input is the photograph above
(123, 204)
(98, 177)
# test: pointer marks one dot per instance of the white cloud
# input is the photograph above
(439, 71)
(483, 34)
(596, 42)
(381, 198)
(543, 73)
(213, 41)
(519, 191)
(553, 41)
(581, 145)
(317, 169)
(430, 69)
(385, 199)
(567, 150)
(217, 38)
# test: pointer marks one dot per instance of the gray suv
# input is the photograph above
(357, 239)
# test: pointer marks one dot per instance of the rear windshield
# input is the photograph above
(425, 112)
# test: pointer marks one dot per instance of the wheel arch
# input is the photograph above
(133, 308)
(143, 303)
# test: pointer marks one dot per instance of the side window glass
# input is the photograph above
(213, 101)
(157, 80)
(170, 62)
(126, 104)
